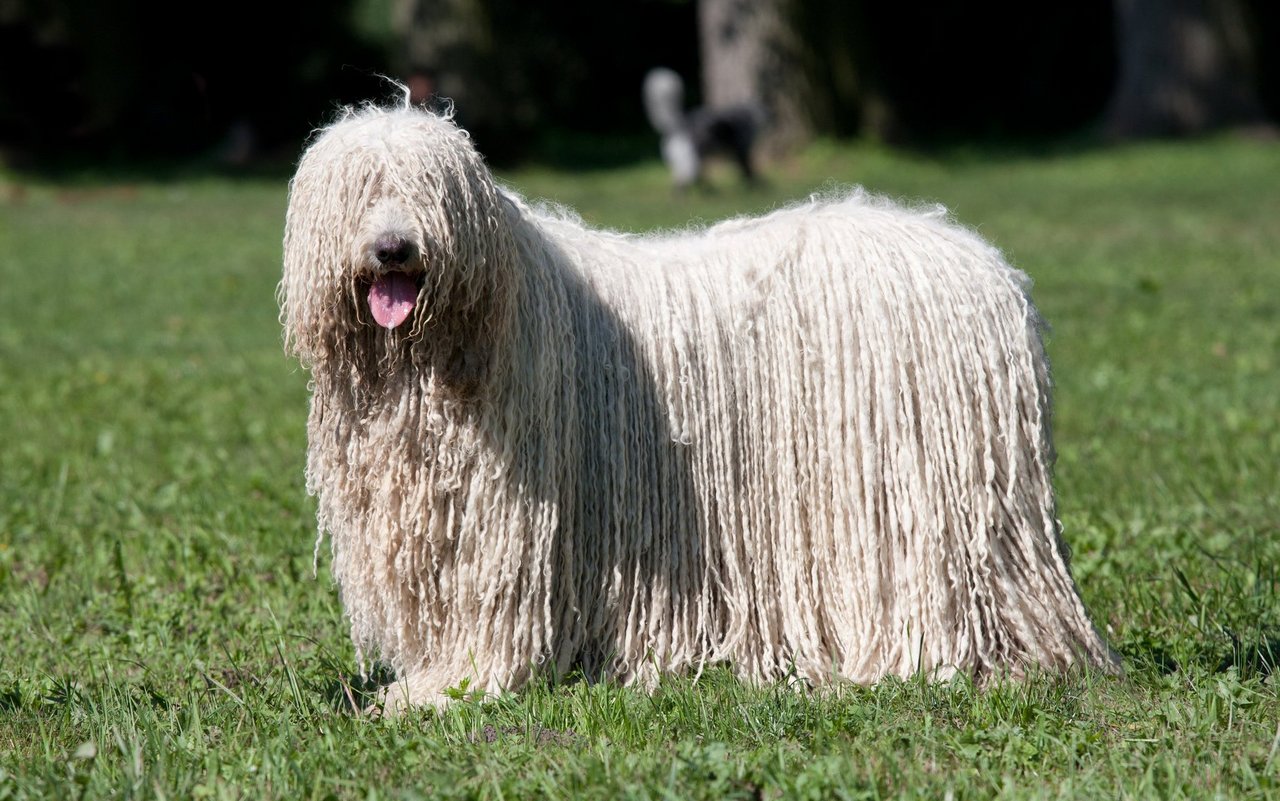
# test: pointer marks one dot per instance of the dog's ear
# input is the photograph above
(311, 260)
(471, 288)
(472, 330)
(330, 192)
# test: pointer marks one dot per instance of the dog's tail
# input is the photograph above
(664, 100)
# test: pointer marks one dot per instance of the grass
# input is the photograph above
(162, 634)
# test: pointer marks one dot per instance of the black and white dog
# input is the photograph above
(688, 138)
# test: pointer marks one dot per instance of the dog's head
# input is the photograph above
(397, 251)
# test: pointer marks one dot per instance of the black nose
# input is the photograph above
(393, 250)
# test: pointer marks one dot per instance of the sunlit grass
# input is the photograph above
(162, 635)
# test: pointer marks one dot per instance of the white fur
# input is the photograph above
(813, 442)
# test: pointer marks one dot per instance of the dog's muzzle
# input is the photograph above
(391, 251)
(393, 293)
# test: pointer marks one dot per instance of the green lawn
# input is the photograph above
(162, 634)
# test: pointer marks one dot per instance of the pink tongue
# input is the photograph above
(391, 298)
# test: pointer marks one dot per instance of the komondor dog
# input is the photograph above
(813, 444)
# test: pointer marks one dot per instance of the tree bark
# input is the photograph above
(1185, 68)
(465, 53)
(751, 54)
(447, 42)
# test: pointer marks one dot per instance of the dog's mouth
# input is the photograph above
(392, 296)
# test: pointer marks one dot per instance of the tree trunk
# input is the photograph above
(843, 68)
(751, 55)
(1185, 69)
(445, 44)
(464, 52)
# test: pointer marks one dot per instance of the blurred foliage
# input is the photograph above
(533, 73)
(931, 69)
(146, 79)
(142, 80)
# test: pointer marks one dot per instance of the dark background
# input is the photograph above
(240, 83)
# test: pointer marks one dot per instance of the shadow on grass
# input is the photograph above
(78, 170)
(571, 151)
(353, 694)
(1257, 657)
(995, 149)
(1252, 657)
(561, 150)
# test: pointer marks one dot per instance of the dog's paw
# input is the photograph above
(420, 692)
